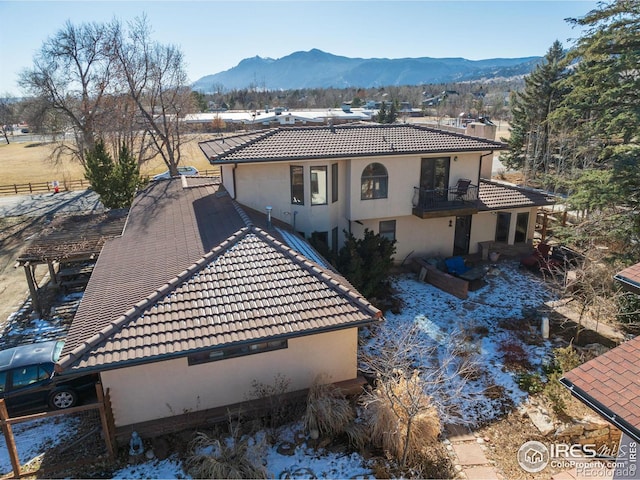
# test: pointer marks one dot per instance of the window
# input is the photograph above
(318, 185)
(522, 225)
(27, 375)
(297, 185)
(387, 229)
(374, 182)
(334, 239)
(502, 227)
(239, 351)
(334, 183)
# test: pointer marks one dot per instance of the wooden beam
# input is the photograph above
(9, 439)
(105, 423)
(33, 287)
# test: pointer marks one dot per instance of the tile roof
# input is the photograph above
(630, 278)
(192, 271)
(611, 383)
(352, 140)
(494, 195)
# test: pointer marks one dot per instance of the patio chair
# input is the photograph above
(461, 189)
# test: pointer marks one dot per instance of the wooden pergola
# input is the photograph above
(66, 239)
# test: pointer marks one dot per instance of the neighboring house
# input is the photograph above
(610, 384)
(399, 180)
(199, 298)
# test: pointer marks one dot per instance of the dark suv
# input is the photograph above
(28, 383)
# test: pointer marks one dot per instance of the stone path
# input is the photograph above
(468, 455)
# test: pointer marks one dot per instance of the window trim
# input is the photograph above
(382, 232)
(300, 171)
(375, 193)
(243, 350)
(334, 182)
(315, 169)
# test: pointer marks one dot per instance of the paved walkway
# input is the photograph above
(468, 455)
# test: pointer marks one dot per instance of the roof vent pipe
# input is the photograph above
(269, 208)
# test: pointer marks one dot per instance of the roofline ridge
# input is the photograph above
(251, 141)
(243, 215)
(320, 273)
(495, 143)
(150, 300)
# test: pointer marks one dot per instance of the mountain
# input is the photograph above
(318, 69)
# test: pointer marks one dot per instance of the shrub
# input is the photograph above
(232, 458)
(530, 382)
(565, 359)
(328, 411)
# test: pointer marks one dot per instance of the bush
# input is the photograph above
(530, 382)
(328, 411)
(565, 359)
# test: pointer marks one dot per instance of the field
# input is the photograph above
(31, 162)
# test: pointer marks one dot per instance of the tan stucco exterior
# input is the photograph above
(268, 184)
(171, 387)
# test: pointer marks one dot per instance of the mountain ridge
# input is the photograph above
(318, 69)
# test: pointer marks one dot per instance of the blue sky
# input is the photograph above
(217, 35)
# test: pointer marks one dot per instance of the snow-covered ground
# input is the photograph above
(485, 320)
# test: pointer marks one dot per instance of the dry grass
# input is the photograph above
(390, 421)
(31, 163)
(230, 458)
(328, 411)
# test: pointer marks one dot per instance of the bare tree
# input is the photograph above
(7, 116)
(155, 79)
(72, 76)
(414, 383)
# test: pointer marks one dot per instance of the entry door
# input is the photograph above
(434, 178)
(462, 235)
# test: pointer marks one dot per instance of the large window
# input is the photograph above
(502, 227)
(334, 183)
(318, 185)
(297, 185)
(230, 352)
(522, 225)
(374, 182)
(387, 229)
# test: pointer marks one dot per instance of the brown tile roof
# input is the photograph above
(611, 384)
(494, 195)
(630, 278)
(191, 271)
(352, 140)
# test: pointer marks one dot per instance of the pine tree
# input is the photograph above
(533, 141)
(116, 182)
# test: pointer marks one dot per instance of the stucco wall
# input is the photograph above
(162, 389)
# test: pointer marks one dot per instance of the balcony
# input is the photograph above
(445, 202)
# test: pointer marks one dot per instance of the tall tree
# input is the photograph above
(72, 75)
(533, 142)
(604, 91)
(156, 80)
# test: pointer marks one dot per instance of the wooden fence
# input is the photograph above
(65, 185)
(102, 405)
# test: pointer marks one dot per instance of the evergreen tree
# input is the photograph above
(382, 113)
(604, 92)
(366, 262)
(534, 142)
(115, 182)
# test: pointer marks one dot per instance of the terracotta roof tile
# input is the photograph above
(143, 317)
(495, 195)
(341, 141)
(613, 380)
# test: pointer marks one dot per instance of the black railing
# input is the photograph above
(444, 198)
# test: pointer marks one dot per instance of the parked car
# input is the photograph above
(28, 383)
(189, 171)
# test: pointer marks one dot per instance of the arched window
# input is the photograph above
(374, 182)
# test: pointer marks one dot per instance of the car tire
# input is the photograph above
(63, 398)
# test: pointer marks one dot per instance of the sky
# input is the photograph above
(216, 35)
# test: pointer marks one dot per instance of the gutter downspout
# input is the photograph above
(480, 165)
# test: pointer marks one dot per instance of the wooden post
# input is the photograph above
(33, 288)
(52, 273)
(545, 219)
(9, 439)
(106, 428)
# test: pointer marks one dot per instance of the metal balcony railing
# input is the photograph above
(444, 199)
